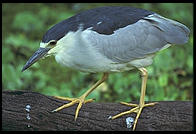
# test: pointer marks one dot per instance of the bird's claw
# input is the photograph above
(81, 100)
(137, 110)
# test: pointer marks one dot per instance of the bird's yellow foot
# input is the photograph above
(81, 100)
(137, 110)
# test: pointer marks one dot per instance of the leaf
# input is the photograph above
(189, 63)
(51, 91)
(163, 80)
(10, 78)
(27, 21)
(159, 94)
(7, 55)
(20, 40)
(65, 90)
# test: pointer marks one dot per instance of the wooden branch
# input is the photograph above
(166, 115)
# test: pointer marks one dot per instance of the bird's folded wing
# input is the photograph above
(140, 39)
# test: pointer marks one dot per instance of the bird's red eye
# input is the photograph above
(52, 43)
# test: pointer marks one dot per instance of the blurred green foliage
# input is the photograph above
(23, 25)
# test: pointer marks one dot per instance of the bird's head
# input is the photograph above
(46, 49)
(58, 38)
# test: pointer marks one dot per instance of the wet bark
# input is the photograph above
(17, 115)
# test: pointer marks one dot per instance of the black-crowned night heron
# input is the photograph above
(110, 39)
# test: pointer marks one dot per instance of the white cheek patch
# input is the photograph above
(43, 45)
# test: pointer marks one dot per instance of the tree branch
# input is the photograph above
(166, 115)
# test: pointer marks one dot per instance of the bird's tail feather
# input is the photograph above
(174, 32)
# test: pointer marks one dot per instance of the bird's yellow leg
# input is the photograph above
(81, 100)
(137, 108)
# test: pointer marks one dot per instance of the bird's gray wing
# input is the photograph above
(140, 39)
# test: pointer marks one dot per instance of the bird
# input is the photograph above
(110, 39)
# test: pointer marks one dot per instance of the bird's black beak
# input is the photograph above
(36, 56)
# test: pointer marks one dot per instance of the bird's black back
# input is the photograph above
(104, 20)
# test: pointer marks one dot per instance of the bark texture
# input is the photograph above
(164, 116)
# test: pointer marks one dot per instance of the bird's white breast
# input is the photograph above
(76, 52)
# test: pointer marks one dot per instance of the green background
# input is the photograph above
(23, 26)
